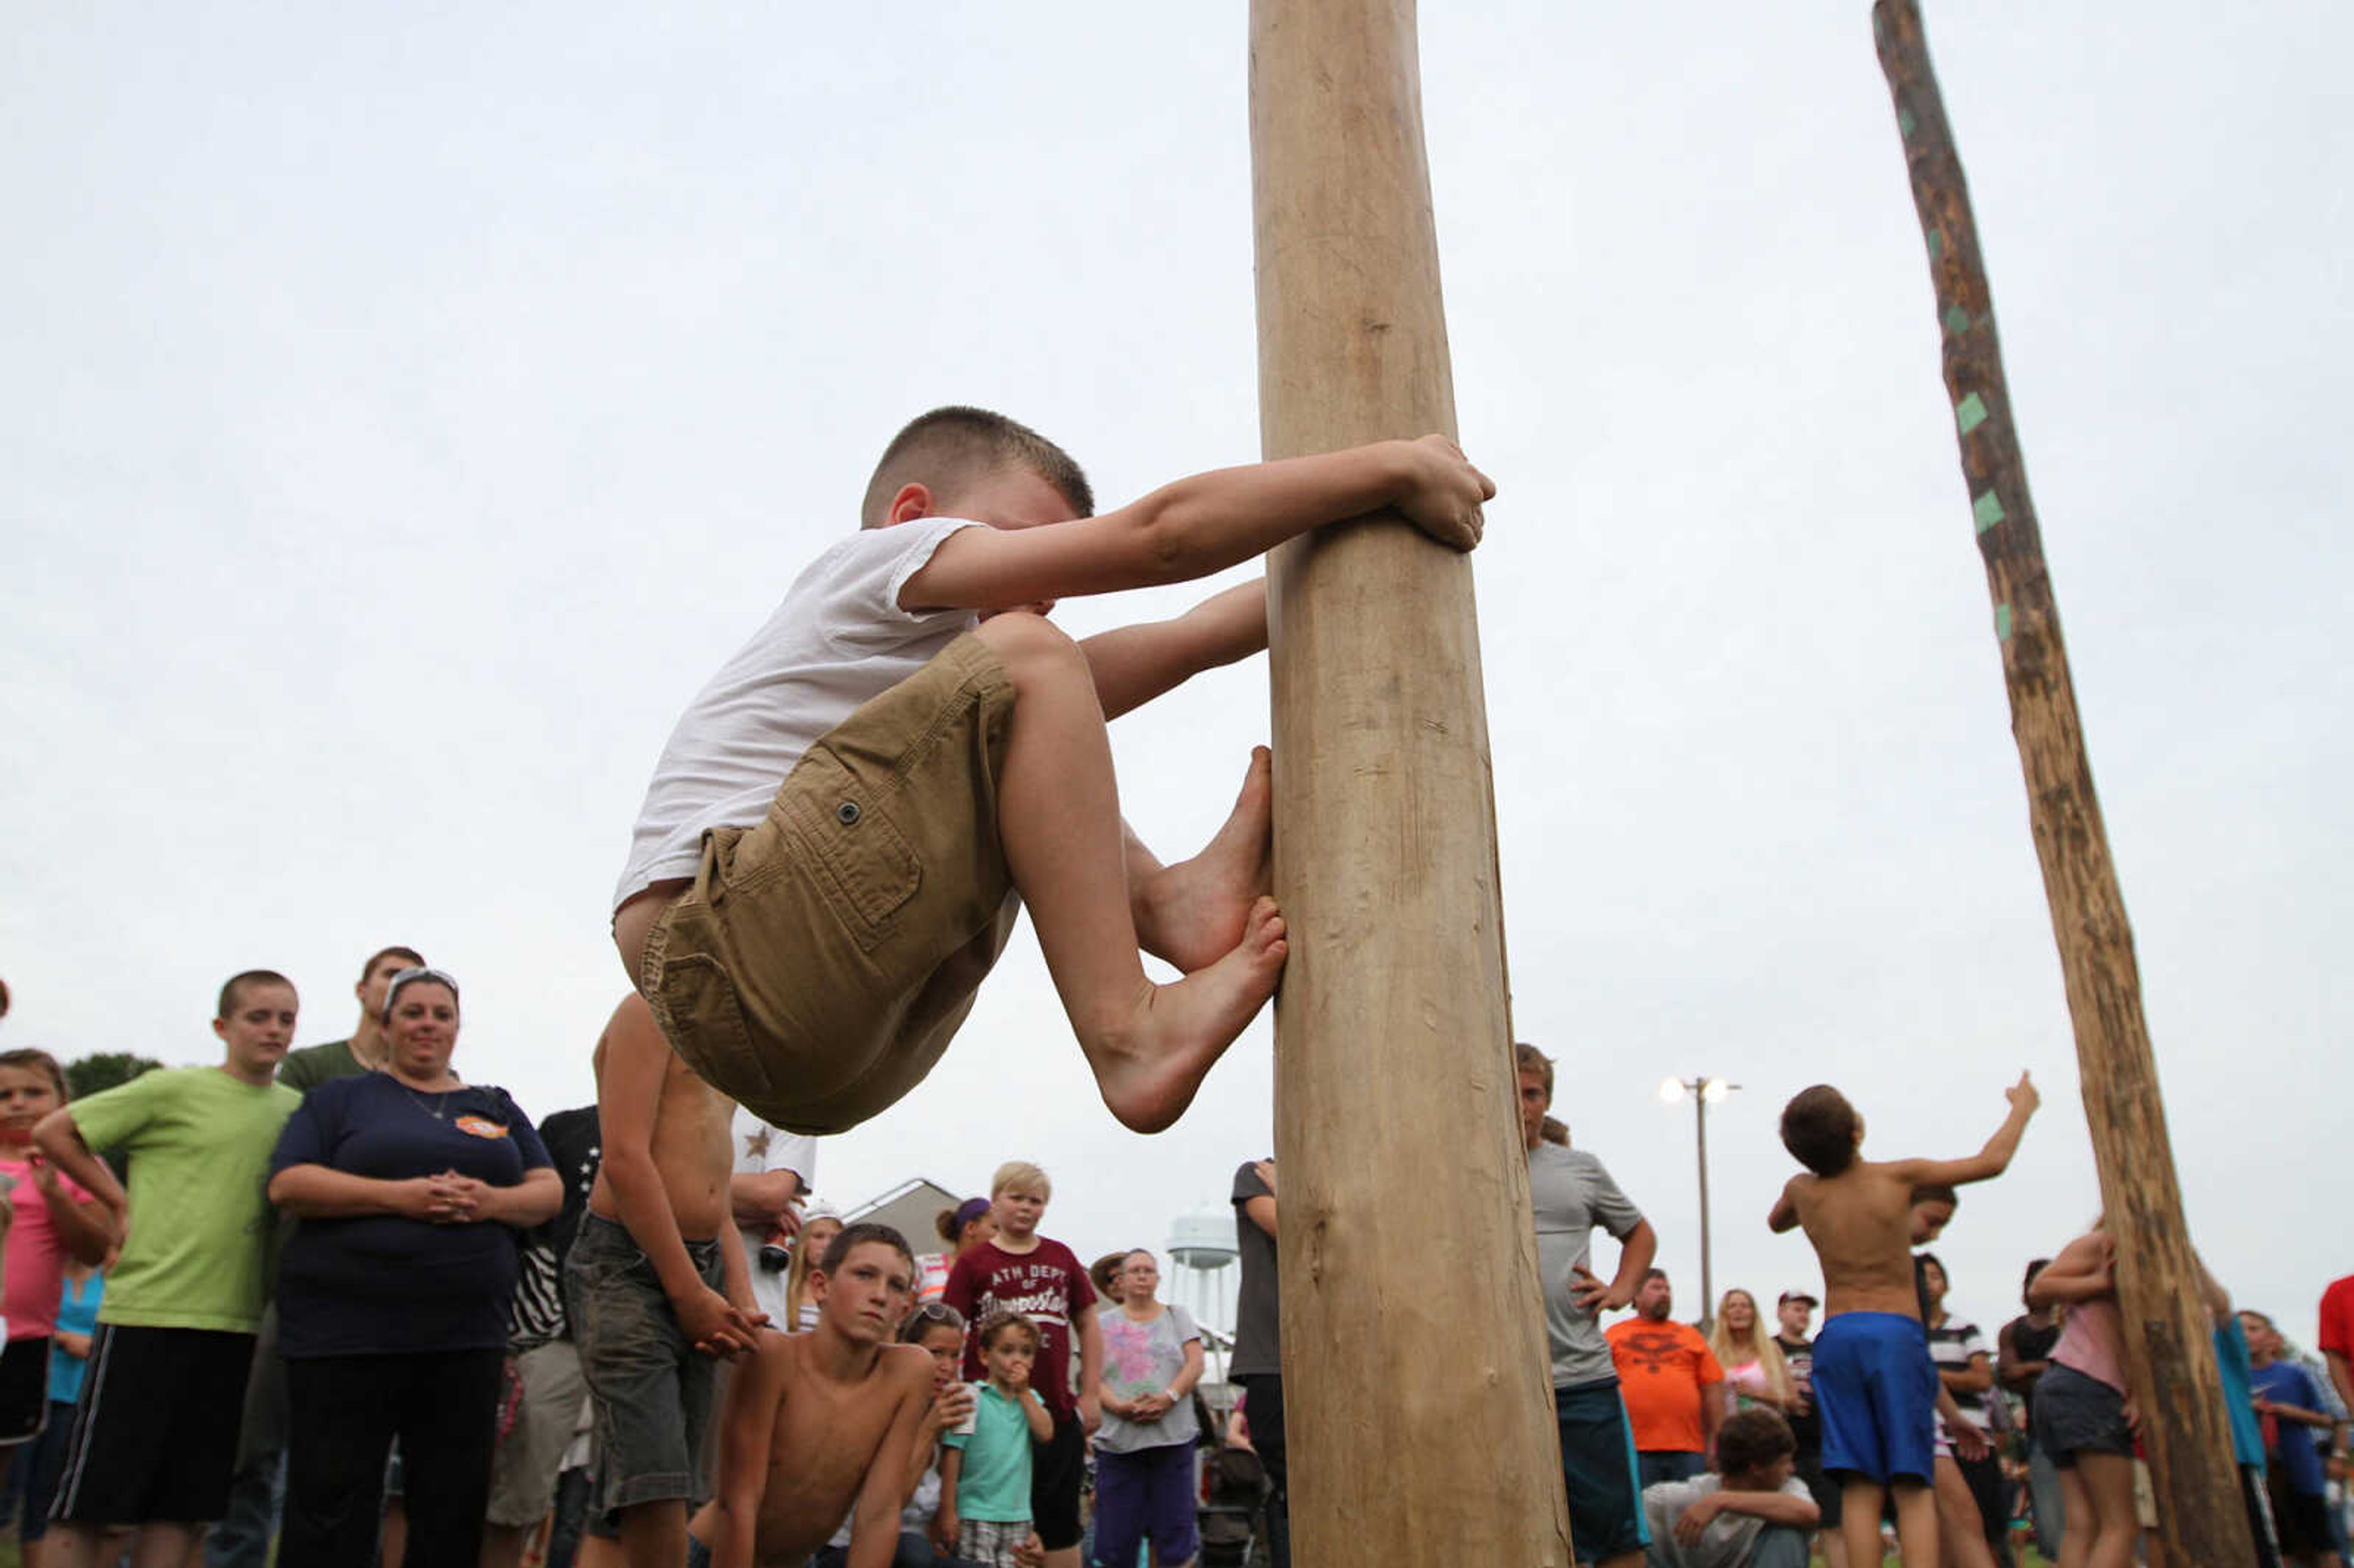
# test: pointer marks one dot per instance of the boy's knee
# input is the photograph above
(1030, 646)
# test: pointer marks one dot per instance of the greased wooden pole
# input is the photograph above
(2200, 1518)
(1417, 1382)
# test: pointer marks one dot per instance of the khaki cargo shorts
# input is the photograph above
(823, 959)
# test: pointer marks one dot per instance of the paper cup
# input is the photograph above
(973, 1416)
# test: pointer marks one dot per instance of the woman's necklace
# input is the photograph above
(437, 1110)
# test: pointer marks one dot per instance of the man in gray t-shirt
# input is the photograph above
(1571, 1193)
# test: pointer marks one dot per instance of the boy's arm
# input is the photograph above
(1134, 664)
(735, 1275)
(84, 1225)
(1773, 1507)
(1784, 1217)
(1637, 1249)
(748, 1424)
(1034, 1411)
(57, 1136)
(875, 1521)
(1204, 525)
(1988, 1162)
(628, 1093)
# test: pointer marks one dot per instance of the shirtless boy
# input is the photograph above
(820, 1426)
(1875, 1387)
(847, 819)
(660, 1198)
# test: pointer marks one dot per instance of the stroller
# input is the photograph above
(1235, 1490)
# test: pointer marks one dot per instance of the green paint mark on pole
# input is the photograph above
(1988, 510)
(1906, 123)
(2002, 623)
(1958, 320)
(1970, 413)
(1936, 243)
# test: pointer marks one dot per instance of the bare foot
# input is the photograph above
(1150, 1071)
(1195, 912)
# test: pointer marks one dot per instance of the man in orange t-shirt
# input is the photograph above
(1673, 1388)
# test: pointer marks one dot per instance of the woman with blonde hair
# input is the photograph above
(817, 1234)
(1754, 1371)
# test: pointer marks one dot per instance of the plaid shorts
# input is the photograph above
(991, 1542)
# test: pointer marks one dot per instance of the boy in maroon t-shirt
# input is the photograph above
(1023, 1272)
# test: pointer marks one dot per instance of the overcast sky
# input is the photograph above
(404, 408)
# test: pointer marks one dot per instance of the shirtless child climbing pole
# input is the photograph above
(819, 1426)
(1875, 1387)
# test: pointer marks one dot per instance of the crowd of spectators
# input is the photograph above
(321, 1307)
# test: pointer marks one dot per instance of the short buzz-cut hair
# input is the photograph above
(1751, 1439)
(859, 1234)
(1937, 1192)
(244, 981)
(1818, 1129)
(951, 448)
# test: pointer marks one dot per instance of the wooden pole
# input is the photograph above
(1417, 1382)
(2166, 1330)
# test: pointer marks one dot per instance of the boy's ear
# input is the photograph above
(912, 501)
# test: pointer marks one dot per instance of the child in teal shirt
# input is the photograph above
(985, 1473)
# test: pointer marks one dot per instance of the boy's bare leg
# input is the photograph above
(164, 1545)
(1860, 1501)
(1916, 1523)
(1193, 913)
(653, 1534)
(1058, 815)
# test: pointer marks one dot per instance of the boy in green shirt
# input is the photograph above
(156, 1433)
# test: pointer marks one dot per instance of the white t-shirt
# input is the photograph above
(838, 639)
(1725, 1544)
(760, 1149)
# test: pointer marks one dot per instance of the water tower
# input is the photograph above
(1201, 1258)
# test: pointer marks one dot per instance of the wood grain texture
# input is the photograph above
(1417, 1384)
(2167, 1331)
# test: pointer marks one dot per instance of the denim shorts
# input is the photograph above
(2075, 1414)
(649, 1389)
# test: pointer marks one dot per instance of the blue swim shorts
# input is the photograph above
(1877, 1392)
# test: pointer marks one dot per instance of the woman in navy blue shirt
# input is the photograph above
(393, 1293)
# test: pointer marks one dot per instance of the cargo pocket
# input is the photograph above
(863, 864)
(707, 1028)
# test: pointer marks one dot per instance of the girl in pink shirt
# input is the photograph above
(49, 1216)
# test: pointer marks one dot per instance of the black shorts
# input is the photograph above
(24, 1389)
(1826, 1491)
(1058, 1467)
(155, 1438)
(2302, 1519)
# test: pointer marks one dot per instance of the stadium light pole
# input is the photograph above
(1704, 1092)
